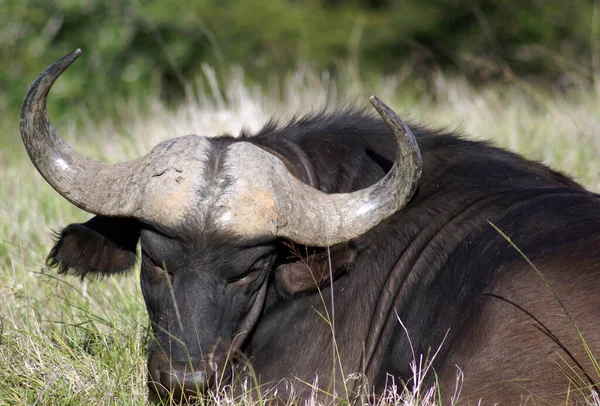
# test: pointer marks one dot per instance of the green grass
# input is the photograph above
(65, 341)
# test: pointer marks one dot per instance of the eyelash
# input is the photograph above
(156, 273)
(260, 265)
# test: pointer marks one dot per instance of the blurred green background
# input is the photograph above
(134, 48)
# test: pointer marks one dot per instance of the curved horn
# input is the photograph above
(271, 200)
(133, 189)
(336, 218)
(75, 177)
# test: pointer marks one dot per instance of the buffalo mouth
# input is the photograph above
(181, 382)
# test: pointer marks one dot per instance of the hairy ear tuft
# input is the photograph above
(306, 274)
(100, 247)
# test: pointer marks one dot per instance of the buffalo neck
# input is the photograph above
(400, 271)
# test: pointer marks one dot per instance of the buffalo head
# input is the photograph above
(209, 215)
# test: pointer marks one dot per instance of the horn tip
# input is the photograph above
(69, 58)
(374, 100)
(74, 55)
(380, 106)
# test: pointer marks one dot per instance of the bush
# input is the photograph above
(132, 47)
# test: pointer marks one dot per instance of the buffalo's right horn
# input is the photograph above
(90, 185)
(157, 188)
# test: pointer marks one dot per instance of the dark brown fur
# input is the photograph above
(437, 264)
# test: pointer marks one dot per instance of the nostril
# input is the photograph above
(185, 382)
(199, 381)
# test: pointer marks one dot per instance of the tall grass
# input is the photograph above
(66, 341)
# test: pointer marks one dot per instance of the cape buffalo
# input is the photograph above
(259, 250)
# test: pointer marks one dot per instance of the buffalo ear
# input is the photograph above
(307, 273)
(102, 246)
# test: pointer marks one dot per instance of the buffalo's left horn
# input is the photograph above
(311, 217)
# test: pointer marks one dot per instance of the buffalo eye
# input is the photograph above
(253, 273)
(155, 272)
